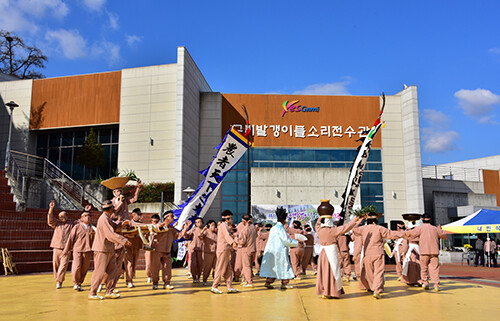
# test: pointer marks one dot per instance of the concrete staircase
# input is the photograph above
(27, 235)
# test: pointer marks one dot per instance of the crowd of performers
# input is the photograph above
(224, 250)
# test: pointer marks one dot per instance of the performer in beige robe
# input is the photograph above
(161, 258)
(80, 242)
(104, 258)
(209, 235)
(155, 219)
(429, 250)
(373, 238)
(132, 252)
(195, 250)
(345, 263)
(262, 238)
(121, 203)
(225, 245)
(356, 255)
(398, 251)
(329, 279)
(62, 228)
(238, 267)
(247, 240)
(410, 269)
(296, 253)
(308, 249)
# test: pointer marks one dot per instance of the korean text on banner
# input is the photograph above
(233, 147)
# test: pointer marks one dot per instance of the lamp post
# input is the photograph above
(11, 105)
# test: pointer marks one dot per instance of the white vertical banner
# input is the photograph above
(233, 147)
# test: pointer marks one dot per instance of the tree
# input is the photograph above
(18, 59)
(91, 155)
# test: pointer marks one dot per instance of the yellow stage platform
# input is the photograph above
(34, 297)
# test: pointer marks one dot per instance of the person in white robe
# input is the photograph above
(276, 261)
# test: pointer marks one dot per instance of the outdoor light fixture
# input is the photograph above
(189, 191)
(151, 141)
(394, 195)
(278, 194)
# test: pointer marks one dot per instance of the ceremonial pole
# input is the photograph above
(248, 134)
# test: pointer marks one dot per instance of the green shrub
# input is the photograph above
(151, 193)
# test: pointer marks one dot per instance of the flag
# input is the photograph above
(233, 147)
(358, 166)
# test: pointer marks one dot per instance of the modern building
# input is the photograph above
(164, 121)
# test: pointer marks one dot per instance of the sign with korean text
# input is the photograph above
(302, 121)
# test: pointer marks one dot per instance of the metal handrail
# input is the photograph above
(452, 173)
(36, 166)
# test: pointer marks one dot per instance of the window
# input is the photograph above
(61, 148)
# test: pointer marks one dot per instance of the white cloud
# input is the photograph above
(479, 102)
(39, 8)
(495, 51)
(436, 136)
(335, 88)
(70, 42)
(434, 117)
(15, 20)
(108, 51)
(94, 5)
(113, 21)
(133, 40)
(436, 141)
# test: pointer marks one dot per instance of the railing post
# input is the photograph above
(435, 171)
(22, 188)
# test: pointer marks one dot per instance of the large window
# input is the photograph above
(61, 148)
(235, 186)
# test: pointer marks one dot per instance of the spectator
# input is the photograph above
(479, 252)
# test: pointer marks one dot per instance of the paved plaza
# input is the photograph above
(34, 297)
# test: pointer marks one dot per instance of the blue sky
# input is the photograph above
(449, 49)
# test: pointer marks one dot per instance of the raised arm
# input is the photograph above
(441, 234)
(134, 198)
(52, 219)
(345, 228)
(285, 239)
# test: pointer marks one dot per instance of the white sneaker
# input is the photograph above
(58, 285)
(95, 297)
(131, 285)
(248, 285)
(215, 290)
(155, 287)
(149, 280)
(99, 289)
(232, 290)
(75, 287)
(80, 288)
(116, 291)
(168, 287)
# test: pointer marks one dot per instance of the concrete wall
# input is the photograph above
(393, 160)
(401, 159)
(190, 83)
(492, 162)
(210, 137)
(297, 186)
(148, 111)
(444, 197)
(18, 91)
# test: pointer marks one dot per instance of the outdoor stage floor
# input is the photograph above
(34, 297)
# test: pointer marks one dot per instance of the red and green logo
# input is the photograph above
(293, 106)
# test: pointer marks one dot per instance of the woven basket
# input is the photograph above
(115, 182)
